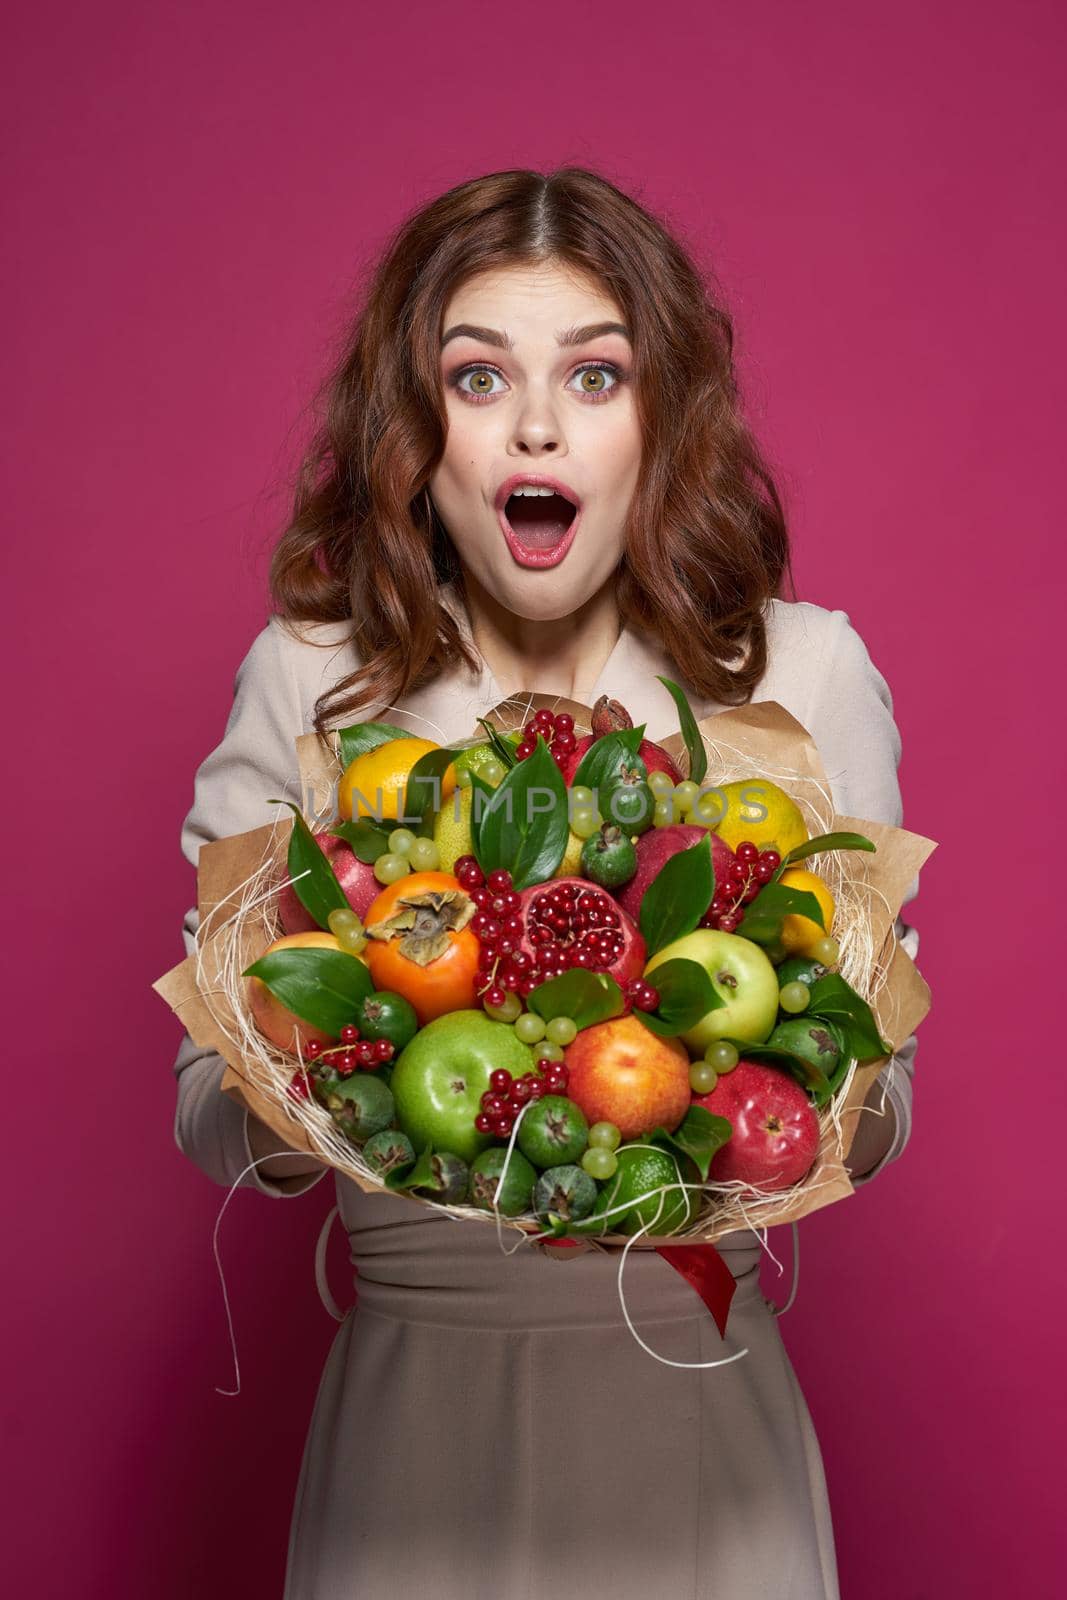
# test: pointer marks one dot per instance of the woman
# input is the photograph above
(486, 1423)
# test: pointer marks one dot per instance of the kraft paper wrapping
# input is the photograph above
(763, 736)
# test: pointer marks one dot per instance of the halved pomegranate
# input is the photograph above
(570, 922)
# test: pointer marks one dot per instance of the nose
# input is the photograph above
(537, 428)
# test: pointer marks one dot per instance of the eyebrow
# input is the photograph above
(569, 336)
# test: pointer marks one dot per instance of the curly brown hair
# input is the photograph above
(364, 543)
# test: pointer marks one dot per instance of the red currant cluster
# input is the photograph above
(640, 995)
(557, 730)
(750, 869)
(506, 1096)
(351, 1053)
(502, 965)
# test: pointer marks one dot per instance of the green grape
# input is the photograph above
(599, 1163)
(582, 796)
(424, 856)
(561, 1030)
(343, 917)
(492, 771)
(663, 815)
(604, 1135)
(686, 794)
(530, 1027)
(702, 1077)
(722, 1055)
(353, 940)
(389, 867)
(464, 779)
(709, 810)
(401, 841)
(548, 1050)
(661, 784)
(508, 1012)
(826, 951)
(584, 822)
(794, 997)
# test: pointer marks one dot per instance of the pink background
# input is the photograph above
(192, 196)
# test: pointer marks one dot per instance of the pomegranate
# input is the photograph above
(570, 922)
(356, 878)
(611, 717)
(656, 847)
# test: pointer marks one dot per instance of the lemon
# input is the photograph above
(373, 784)
(758, 810)
(452, 829)
(800, 933)
(570, 866)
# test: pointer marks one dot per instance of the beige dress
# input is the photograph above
(486, 1426)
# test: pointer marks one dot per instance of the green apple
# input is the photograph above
(741, 975)
(439, 1079)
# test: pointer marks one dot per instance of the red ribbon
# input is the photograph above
(703, 1267)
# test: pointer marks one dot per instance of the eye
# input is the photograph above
(596, 381)
(601, 370)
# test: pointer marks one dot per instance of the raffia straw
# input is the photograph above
(727, 1206)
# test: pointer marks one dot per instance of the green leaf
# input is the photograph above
(694, 744)
(367, 838)
(503, 749)
(608, 758)
(315, 881)
(422, 796)
(686, 995)
(762, 921)
(805, 1072)
(321, 986)
(510, 832)
(406, 1177)
(363, 736)
(678, 896)
(697, 1137)
(827, 841)
(586, 997)
(834, 1000)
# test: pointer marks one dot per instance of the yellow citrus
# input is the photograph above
(386, 769)
(452, 829)
(570, 866)
(758, 810)
(800, 933)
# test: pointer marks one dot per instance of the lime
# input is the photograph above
(642, 1172)
(811, 1040)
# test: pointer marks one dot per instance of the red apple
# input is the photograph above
(655, 848)
(621, 1072)
(356, 878)
(611, 717)
(776, 1130)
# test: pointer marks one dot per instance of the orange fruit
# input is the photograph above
(420, 946)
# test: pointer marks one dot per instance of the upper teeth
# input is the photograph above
(532, 488)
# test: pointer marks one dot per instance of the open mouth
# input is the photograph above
(539, 521)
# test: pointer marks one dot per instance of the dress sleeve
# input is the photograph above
(255, 762)
(851, 720)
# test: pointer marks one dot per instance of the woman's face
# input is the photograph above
(532, 389)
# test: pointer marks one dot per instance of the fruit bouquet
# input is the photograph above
(560, 977)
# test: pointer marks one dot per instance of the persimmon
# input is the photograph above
(420, 946)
